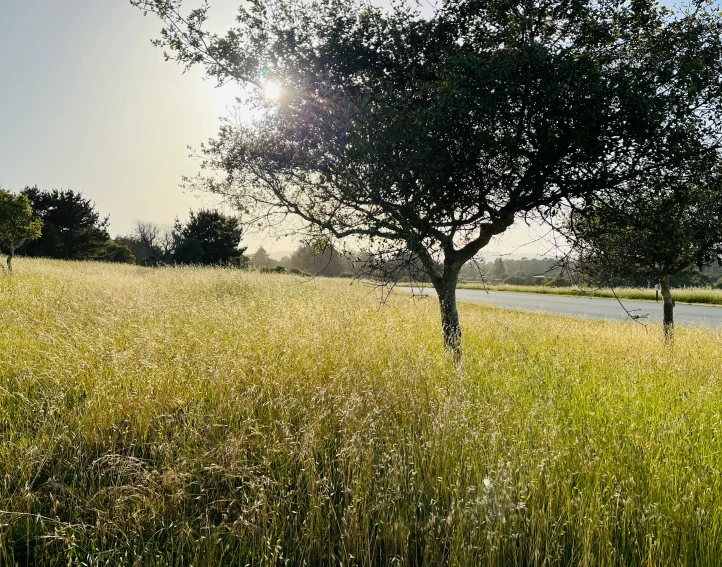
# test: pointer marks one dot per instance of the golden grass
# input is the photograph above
(217, 417)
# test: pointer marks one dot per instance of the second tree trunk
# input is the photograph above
(667, 306)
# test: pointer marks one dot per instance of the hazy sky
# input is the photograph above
(86, 103)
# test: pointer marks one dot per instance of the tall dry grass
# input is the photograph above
(215, 417)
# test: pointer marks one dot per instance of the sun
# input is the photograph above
(272, 90)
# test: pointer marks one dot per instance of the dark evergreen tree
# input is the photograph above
(208, 238)
(72, 228)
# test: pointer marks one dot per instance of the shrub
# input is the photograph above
(272, 269)
(239, 262)
(114, 251)
(557, 281)
(300, 272)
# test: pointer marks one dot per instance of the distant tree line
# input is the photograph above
(308, 259)
(565, 273)
(208, 238)
(524, 271)
(63, 224)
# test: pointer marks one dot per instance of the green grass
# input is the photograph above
(216, 417)
(703, 295)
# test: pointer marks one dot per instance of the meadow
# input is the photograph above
(701, 295)
(221, 417)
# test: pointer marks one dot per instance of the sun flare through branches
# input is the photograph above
(272, 90)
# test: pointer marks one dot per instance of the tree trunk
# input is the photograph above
(668, 308)
(446, 289)
(10, 257)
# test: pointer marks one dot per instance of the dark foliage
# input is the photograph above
(115, 251)
(208, 238)
(72, 228)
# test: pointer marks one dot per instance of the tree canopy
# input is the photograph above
(17, 224)
(208, 238)
(72, 228)
(427, 136)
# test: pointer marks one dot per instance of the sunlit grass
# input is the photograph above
(216, 417)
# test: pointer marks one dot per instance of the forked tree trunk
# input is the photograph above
(446, 289)
(668, 308)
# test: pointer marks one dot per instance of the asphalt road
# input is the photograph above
(590, 308)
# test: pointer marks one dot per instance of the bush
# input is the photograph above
(351, 275)
(718, 285)
(114, 251)
(557, 281)
(239, 262)
(517, 280)
(273, 269)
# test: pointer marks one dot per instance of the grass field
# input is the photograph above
(703, 295)
(216, 417)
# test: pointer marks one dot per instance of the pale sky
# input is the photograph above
(89, 105)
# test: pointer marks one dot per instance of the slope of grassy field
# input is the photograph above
(216, 417)
(702, 295)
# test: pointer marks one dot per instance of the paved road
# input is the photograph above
(592, 308)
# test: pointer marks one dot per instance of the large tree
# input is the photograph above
(72, 228)
(668, 227)
(429, 135)
(17, 224)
